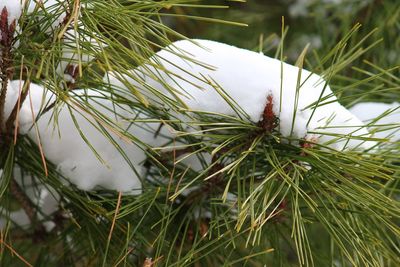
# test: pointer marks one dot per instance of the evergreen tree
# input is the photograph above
(102, 166)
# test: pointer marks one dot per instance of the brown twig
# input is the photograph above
(124, 257)
(6, 40)
(165, 156)
(15, 252)
(115, 216)
(28, 206)
(39, 142)
(213, 184)
(23, 200)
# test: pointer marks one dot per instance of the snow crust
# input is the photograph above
(197, 70)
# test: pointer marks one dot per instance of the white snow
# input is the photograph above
(196, 70)
(38, 96)
(384, 119)
(64, 146)
(18, 217)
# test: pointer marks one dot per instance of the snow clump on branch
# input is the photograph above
(203, 73)
(84, 137)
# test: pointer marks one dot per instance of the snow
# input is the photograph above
(38, 96)
(384, 118)
(18, 217)
(197, 70)
(64, 146)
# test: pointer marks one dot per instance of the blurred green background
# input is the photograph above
(319, 23)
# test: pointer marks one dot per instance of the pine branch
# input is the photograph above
(256, 198)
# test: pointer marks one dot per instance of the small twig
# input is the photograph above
(214, 183)
(158, 130)
(19, 103)
(71, 17)
(165, 156)
(210, 186)
(14, 252)
(73, 71)
(27, 205)
(124, 257)
(38, 138)
(49, 107)
(115, 216)
(23, 200)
